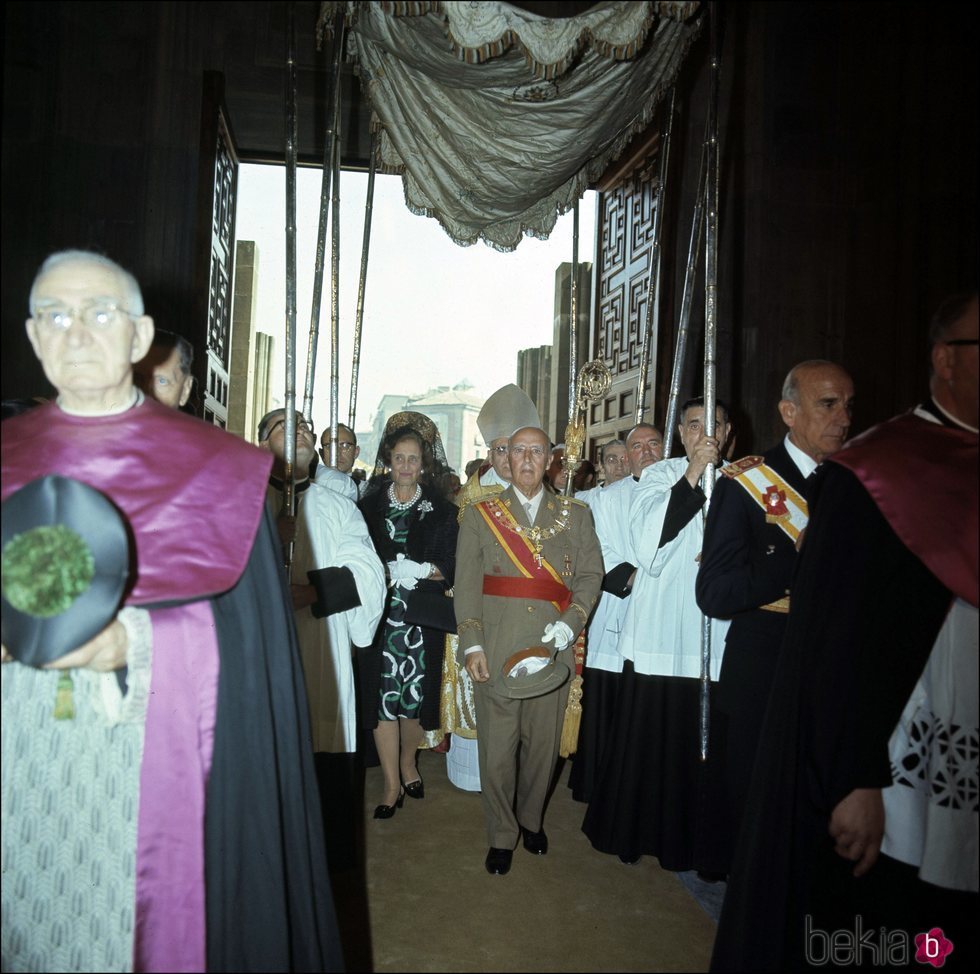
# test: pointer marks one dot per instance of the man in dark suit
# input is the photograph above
(758, 513)
(862, 811)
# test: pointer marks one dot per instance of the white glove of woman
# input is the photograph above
(558, 632)
(405, 572)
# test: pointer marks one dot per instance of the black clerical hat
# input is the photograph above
(65, 565)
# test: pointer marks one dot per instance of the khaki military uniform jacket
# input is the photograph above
(503, 625)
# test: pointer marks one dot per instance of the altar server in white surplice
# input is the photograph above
(646, 795)
(603, 660)
(337, 583)
(339, 548)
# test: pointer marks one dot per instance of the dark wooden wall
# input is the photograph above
(101, 138)
(849, 196)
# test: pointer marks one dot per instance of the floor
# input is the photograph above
(419, 898)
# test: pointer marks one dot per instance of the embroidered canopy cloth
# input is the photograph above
(498, 118)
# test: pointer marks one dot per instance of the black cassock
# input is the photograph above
(865, 615)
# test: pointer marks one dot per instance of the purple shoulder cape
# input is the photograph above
(923, 478)
(191, 493)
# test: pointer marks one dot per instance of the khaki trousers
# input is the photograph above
(518, 746)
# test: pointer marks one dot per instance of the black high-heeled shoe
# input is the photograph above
(387, 811)
(414, 789)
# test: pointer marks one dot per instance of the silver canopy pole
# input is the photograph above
(571, 462)
(321, 236)
(573, 318)
(335, 292)
(683, 323)
(652, 318)
(362, 285)
(710, 339)
(289, 492)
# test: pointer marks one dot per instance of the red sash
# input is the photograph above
(521, 550)
(544, 589)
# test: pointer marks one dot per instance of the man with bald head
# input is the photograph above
(758, 513)
(529, 572)
(863, 806)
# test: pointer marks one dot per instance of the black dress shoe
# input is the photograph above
(386, 811)
(415, 789)
(535, 842)
(498, 861)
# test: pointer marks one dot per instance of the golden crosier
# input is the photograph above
(593, 382)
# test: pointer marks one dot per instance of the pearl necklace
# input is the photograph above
(398, 505)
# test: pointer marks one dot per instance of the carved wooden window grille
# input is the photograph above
(624, 274)
(219, 289)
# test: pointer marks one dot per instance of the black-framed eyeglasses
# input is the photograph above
(962, 341)
(499, 450)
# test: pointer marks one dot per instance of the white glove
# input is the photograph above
(405, 572)
(560, 633)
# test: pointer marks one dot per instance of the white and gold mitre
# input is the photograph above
(508, 409)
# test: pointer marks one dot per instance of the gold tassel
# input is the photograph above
(573, 709)
(573, 719)
(64, 703)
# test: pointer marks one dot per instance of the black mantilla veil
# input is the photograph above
(435, 468)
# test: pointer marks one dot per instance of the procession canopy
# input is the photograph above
(497, 118)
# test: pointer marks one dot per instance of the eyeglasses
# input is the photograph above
(962, 341)
(97, 315)
(301, 427)
(535, 451)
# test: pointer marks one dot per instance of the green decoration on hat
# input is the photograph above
(46, 569)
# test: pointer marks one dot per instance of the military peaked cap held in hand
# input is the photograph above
(519, 684)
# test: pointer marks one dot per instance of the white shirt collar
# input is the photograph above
(136, 401)
(951, 418)
(491, 477)
(534, 501)
(804, 462)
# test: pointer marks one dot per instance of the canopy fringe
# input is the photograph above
(561, 200)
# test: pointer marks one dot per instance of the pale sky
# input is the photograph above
(434, 313)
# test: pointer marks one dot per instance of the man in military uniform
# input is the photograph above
(758, 513)
(529, 573)
(505, 411)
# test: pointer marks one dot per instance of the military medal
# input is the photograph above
(775, 502)
(534, 536)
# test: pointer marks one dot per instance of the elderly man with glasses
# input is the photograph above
(347, 449)
(157, 775)
(529, 569)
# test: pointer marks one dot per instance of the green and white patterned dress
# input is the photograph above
(402, 648)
